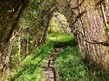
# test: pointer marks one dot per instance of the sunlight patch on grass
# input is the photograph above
(60, 37)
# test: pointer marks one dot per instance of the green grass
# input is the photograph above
(60, 37)
(68, 62)
(71, 67)
(32, 66)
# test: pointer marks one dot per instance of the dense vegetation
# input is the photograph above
(33, 65)
(71, 67)
(69, 62)
(75, 32)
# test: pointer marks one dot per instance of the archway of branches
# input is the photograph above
(27, 30)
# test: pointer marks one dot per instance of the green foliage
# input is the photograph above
(60, 37)
(68, 62)
(32, 66)
(15, 56)
(71, 67)
(57, 24)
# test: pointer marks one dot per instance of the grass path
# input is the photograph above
(50, 73)
(69, 63)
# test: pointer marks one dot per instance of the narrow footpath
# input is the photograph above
(50, 73)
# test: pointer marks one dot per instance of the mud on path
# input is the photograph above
(50, 73)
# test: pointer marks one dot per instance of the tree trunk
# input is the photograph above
(92, 27)
(87, 20)
(9, 19)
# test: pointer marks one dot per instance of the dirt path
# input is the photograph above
(50, 71)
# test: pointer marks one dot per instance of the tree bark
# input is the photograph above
(92, 26)
(9, 18)
(88, 22)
